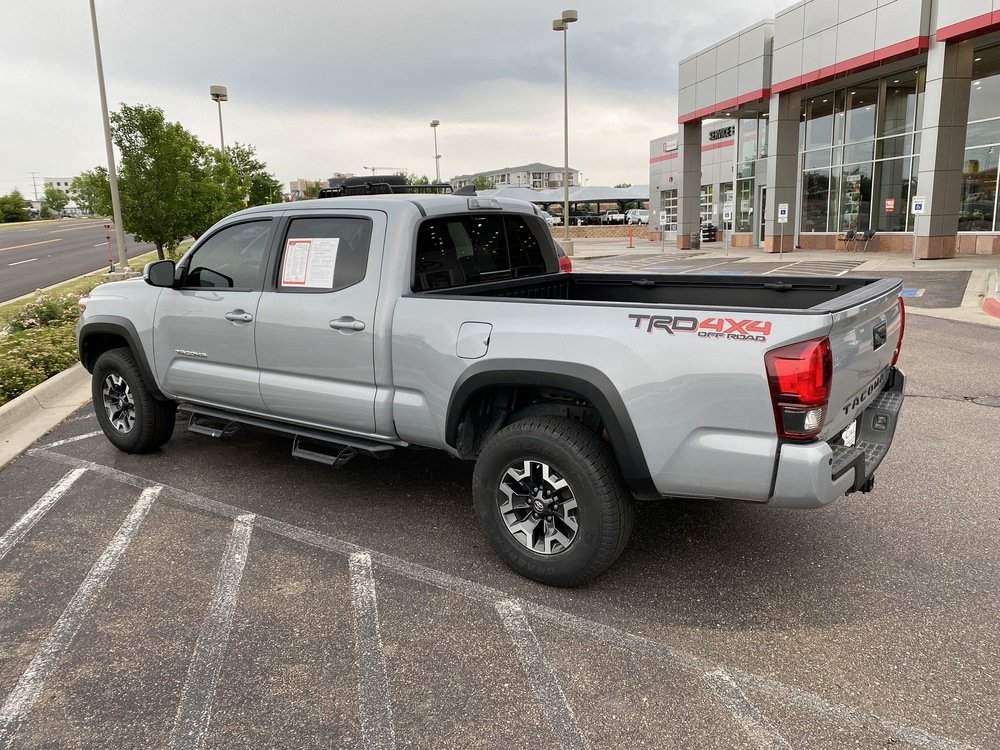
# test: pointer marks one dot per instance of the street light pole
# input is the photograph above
(562, 24)
(437, 156)
(116, 206)
(219, 95)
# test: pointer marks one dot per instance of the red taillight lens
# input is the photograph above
(565, 264)
(799, 378)
(902, 330)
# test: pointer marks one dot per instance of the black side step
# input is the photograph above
(340, 448)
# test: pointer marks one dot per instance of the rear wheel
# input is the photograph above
(130, 416)
(551, 500)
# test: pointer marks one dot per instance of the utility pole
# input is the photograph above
(34, 185)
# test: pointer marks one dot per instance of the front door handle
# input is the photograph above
(239, 316)
(347, 323)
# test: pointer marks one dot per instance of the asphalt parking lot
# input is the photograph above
(222, 594)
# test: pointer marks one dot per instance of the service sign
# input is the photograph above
(919, 205)
(890, 205)
(782, 213)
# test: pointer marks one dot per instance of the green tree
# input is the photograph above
(624, 185)
(257, 186)
(55, 199)
(482, 182)
(13, 207)
(312, 189)
(172, 185)
(92, 191)
(412, 179)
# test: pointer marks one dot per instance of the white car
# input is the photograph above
(552, 221)
(637, 216)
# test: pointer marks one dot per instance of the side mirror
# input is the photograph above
(159, 273)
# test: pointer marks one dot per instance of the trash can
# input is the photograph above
(695, 240)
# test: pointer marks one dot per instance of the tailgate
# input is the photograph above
(867, 325)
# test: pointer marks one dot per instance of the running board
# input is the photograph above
(326, 448)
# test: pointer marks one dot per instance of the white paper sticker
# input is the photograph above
(310, 262)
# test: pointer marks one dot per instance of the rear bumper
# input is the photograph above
(811, 475)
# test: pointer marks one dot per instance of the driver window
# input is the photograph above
(231, 258)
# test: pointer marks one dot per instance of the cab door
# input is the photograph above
(203, 339)
(316, 326)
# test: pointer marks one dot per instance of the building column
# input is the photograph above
(782, 169)
(689, 189)
(942, 147)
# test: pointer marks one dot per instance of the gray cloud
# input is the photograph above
(325, 86)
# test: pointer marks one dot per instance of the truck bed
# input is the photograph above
(786, 293)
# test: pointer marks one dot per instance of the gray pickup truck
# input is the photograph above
(361, 325)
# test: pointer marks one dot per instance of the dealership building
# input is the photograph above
(818, 129)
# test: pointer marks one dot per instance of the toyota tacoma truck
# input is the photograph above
(366, 324)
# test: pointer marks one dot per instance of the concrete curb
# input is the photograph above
(991, 304)
(32, 414)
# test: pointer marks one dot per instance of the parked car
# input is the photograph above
(552, 221)
(613, 217)
(637, 216)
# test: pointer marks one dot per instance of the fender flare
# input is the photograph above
(590, 383)
(125, 329)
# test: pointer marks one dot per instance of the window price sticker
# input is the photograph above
(310, 262)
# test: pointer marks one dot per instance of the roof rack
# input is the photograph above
(385, 185)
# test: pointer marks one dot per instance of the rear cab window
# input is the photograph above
(479, 248)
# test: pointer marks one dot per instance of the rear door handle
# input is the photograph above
(239, 316)
(347, 323)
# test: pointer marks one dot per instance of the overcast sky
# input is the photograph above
(325, 86)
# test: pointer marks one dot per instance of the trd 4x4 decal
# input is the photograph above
(709, 328)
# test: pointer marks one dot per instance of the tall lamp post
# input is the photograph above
(437, 156)
(116, 206)
(219, 95)
(562, 24)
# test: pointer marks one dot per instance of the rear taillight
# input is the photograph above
(565, 264)
(799, 378)
(902, 329)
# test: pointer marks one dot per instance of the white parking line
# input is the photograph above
(86, 435)
(23, 525)
(760, 730)
(637, 645)
(32, 682)
(557, 711)
(373, 684)
(194, 713)
(20, 262)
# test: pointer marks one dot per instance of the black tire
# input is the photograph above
(132, 419)
(509, 479)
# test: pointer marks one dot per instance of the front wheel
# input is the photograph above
(551, 500)
(130, 416)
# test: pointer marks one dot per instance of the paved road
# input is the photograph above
(39, 255)
(225, 592)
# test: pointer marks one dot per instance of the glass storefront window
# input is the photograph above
(762, 138)
(819, 121)
(855, 197)
(900, 110)
(892, 195)
(818, 158)
(984, 99)
(979, 189)
(815, 200)
(859, 152)
(744, 205)
(862, 106)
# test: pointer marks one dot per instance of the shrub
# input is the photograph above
(31, 356)
(45, 310)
